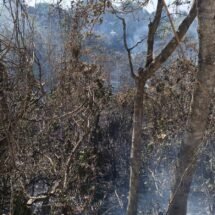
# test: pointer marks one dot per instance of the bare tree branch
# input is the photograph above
(138, 43)
(172, 45)
(126, 46)
(152, 30)
(173, 27)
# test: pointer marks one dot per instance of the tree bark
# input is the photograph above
(4, 147)
(198, 118)
(135, 158)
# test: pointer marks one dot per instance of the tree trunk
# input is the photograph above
(197, 122)
(4, 147)
(136, 148)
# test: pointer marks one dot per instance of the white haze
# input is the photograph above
(150, 7)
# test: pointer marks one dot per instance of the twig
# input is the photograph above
(69, 160)
(108, 210)
(119, 200)
(126, 46)
(138, 43)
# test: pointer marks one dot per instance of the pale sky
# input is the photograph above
(150, 7)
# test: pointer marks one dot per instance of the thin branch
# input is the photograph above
(152, 30)
(138, 43)
(126, 46)
(69, 160)
(119, 200)
(173, 27)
